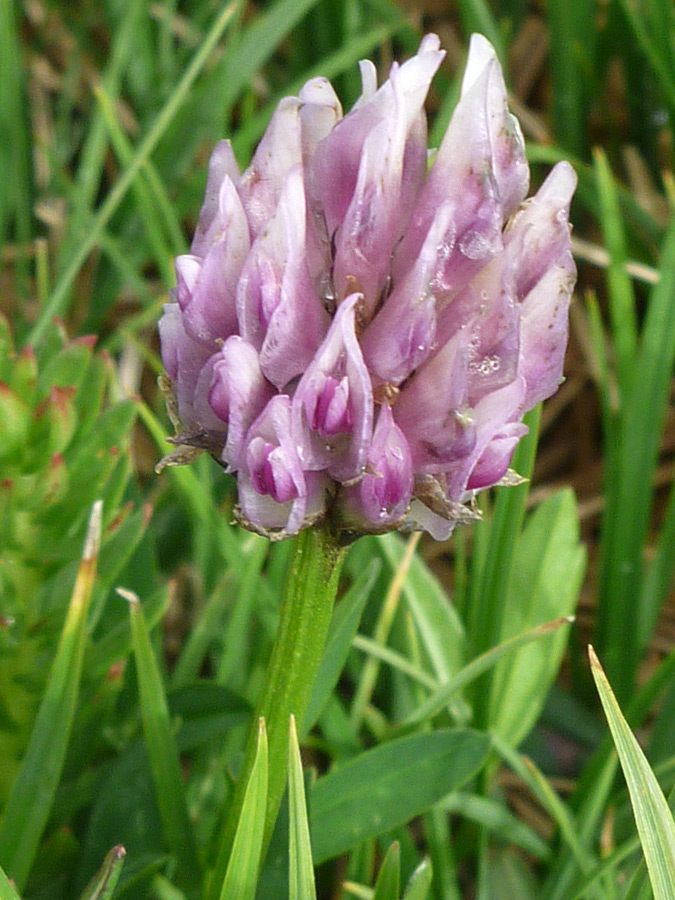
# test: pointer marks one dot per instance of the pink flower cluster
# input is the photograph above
(360, 325)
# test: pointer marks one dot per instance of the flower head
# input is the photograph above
(357, 331)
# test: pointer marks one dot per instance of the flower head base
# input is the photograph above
(358, 334)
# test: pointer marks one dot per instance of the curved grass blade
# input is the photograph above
(301, 869)
(241, 877)
(32, 795)
(102, 885)
(162, 751)
(652, 815)
(440, 697)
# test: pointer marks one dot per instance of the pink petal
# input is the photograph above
(278, 309)
(238, 394)
(206, 288)
(544, 326)
(221, 165)
(511, 172)
(384, 493)
(402, 334)
(461, 172)
(279, 151)
(432, 409)
(274, 491)
(189, 365)
(333, 403)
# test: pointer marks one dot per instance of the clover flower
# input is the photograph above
(360, 325)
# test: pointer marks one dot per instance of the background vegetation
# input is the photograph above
(445, 737)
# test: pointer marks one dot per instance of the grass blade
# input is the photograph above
(59, 295)
(420, 882)
(389, 876)
(440, 697)
(572, 50)
(659, 576)
(16, 190)
(629, 502)
(301, 869)
(621, 294)
(162, 751)
(32, 795)
(241, 877)
(549, 566)
(652, 815)
(103, 883)
(490, 583)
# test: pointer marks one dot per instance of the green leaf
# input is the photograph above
(492, 567)
(32, 795)
(389, 785)
(419, 884)
(483, 663)
(497, 819)
(510, 878)
(652, 815)
(389, 876)
(162, 751)
(104, 882)
(436, 619)
(548, 568)
(242, 870)
(301, 870)
(124, 810)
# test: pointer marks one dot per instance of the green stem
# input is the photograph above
(306, 608)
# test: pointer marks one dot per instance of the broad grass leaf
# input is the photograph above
(389, 785)
(548, 569)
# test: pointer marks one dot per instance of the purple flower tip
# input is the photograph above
(357, 334)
